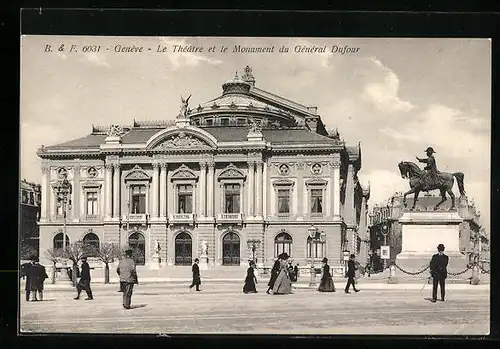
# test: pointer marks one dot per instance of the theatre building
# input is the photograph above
(248, 174)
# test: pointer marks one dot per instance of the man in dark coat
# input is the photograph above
(84, 283)
(351, 273)
(128, 276)
(38, 276)
(438, 265)
(274, 274)
(196, 275)
(26, 273)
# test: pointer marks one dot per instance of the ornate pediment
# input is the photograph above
(184, 172)
(182, 140)
(316, 181)
(137, 174)
(231, 172)
(283, 182)
(91, 184)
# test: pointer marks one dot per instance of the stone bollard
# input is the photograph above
(392, 275)
(474, 280)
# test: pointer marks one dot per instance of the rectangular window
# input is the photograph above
(316, 200)
(185, 198)
(283, 201)
(224, 122)
(241, 121)
(209, 122)
(315, 249)
(232, 198)
(138, 199)
(92, 203)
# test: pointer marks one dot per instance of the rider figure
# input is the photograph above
(431, 168)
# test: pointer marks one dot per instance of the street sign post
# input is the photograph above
(385, 252)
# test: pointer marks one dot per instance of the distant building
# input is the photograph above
(30, 201)
(384, 218)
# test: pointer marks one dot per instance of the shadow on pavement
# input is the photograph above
(138, 306)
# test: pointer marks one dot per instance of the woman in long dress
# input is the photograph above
(326, 284)
(274, 274)
(283, 285)
(250, 280)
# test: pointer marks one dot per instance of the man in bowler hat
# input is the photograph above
(128, 276)
(196, 275)
(84, 283)
(438, 265)
(351, 273)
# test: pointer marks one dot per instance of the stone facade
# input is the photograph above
(30, 197)
(246, 166)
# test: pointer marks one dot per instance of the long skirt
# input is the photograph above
(249, 286)
(326, 285)
(272, 280)
(283, 285)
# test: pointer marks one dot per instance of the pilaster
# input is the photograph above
(163, 189)
(203, 190)
(335, 177)
(76, 193)
(44, 212)
(258, 189)
(210, 190)
(116, 191)
(251, 191)
(154, 190)
(108, 185)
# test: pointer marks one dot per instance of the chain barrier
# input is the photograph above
(484, 270)
(410, 273)
(460, 272)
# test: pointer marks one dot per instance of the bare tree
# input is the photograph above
(107, 253)
(53, 254)
(74, 252)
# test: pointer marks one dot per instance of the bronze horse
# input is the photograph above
(417, 184)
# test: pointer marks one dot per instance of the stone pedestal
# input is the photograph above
(422, 232)
(203, 262)
(154, 263)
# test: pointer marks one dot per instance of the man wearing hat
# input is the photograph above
(128, 276)
(84, 283)
(431, 167)
(351, 273)
(438, 265)
(38, 276)
(196, 275)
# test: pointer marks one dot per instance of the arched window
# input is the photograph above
(92, 241)
(315, 248)
(137, 243)
(58, 241)
(282, 243)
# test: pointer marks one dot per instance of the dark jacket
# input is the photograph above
(326, 272)
(85, 272)
(274, 273)
(126, 270)
(38, 276)
(26, 272)
(438, 266)
(196, 270)
(351, 268)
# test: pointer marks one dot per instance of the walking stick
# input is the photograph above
(426, 282)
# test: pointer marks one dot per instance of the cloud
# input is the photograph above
(383, 94)
(383, 184)
(92, 57)
(178, 59)
(449, 131)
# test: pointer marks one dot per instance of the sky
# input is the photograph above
(395, 96)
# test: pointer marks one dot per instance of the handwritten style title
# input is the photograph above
(188, 48)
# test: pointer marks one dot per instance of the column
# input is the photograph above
(163, 188)
(203, 189)
(108, 185)
(264, 190)
(210, 189)
(116, 190)
(258, 189)
(44, 211)
(76, 193)
(154, 190)
(336, 188)
(250, 211)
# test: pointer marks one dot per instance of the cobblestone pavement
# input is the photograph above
(223, 308)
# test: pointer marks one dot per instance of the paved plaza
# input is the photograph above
(170, 308)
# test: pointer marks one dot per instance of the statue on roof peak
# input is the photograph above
(184, 107)
(248, 76)
(115, 131)
(255, 127)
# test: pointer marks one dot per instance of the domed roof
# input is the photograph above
(236, 96)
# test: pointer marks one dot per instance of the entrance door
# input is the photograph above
(231, 249)
(137, 243)
(183, 249)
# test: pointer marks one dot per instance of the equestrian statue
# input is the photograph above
(430, 179)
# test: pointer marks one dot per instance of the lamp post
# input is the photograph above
(253, 245)
(316, 236)
(63, 192)
(385, 231)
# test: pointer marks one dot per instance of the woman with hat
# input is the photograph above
(283, 285)
(326, 284)
(250, 280)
